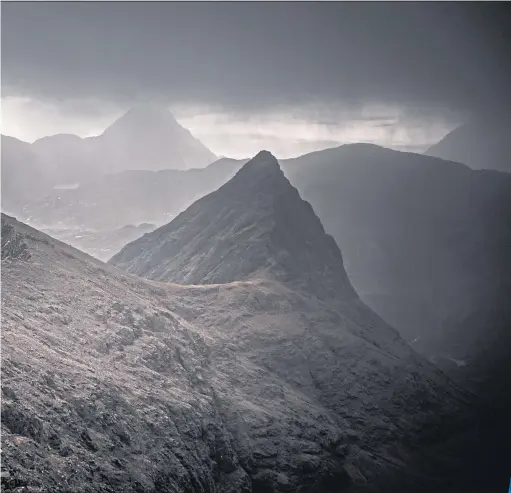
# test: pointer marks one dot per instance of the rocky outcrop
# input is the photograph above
(14, 246)
(110, 383)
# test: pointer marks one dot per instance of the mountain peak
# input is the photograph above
(254, 226)
(150, 110)
(148, 136)
(264, 157)
(144, 118)
(262, 166)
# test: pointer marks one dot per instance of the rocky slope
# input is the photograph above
(115, 383)
(425, 243)
(481, 144)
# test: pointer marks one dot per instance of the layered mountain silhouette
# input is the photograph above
(110, 202)
(255, 226)
(424, 240)
(68, 159)
(146, 137)
(484, 143)
(272, 376)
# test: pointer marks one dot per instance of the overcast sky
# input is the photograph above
(285, 76)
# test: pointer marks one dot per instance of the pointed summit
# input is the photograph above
(263, 158)
(149, 137)
(255, 226)
(143, 118)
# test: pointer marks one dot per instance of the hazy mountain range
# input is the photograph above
(133, 196)
(425, 241)
(146, 137)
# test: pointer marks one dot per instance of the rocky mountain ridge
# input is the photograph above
(111, 382)
(424, 240)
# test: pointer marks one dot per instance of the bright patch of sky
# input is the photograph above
(285, 132)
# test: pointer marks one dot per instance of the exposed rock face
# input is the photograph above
(481, 144)
(112, 383)
(255, 226)
(14, 245)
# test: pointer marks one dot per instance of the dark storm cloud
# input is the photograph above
(248, 56)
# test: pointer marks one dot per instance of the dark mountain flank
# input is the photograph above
(484, 143)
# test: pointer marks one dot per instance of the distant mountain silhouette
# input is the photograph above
(24, 178)
(481, 144)
(147, 137)
(67, 158)
(134, 196)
